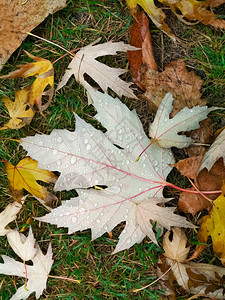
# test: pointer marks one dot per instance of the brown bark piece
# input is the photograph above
(19, 17)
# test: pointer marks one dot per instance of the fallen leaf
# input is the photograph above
(88, 157)
(140, 37)
(37, 274)
(43, 70)
(23, 246)
(185, 86)
(20, 17)
(25, 175)
(165, 130)
(190, 9)
(214, 225)
(189, 166)
(8, 215)
(106, 77)
(216, 151)
(195, 10)
(155, 13)
(202, 136)
(204, 180)
(195, 278)
(19, 112)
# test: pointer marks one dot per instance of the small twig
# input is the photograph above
(65, 278)
(144, 287)
(64, 49)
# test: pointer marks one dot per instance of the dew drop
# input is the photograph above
(59, 162)
(98, 221)
(126, 216)
(40, 143)
(85, 141)
(154, 163)
(88, 147)
(81, 201)
(74, 219)
(106, 227)
(59, 139)
(128, 241)
(73, 160)
(54, 152)
(67, 213)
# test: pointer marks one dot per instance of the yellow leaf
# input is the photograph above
(25, 175)
(155, 13)
(192, 10)
(214, 225)
(20, 115)
(42, 69)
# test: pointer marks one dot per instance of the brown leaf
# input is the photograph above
(189, 166)
(205, 181)
(184, 85)
(18, 18)
(202, 135)
(140, 38)
(192, 203)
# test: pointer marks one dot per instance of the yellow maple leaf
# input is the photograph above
(20, 115)
(42, 69)
(192, 10)
(25, 175)
(214, 225)
(155, 13)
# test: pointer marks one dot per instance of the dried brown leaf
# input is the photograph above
(18, 18)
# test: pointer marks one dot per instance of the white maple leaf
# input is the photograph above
(88, 157)
(23, 246)
(85, 62)
(8, 215)
(165, 130)
(216, 150)
(37, 274)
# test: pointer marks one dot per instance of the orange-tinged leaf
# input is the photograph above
(25, 175)
(140, 38)
(214, 225)
(20, 115)
(42, 69)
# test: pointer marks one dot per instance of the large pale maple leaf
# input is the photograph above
(88, 157)
(106, 77)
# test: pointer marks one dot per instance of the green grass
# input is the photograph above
(102, 275)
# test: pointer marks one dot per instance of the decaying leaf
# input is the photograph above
(25, 175)
(20, 17)
(165, 130)
(140, 37)
(43, 70)
(37, 274)
(19, 111)
(204, 180)
(184, 85)
(8, 215)
(195, 278)
(216, 151)
(106, 77)
(190, 9)
(88, 157)
(214, 225)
